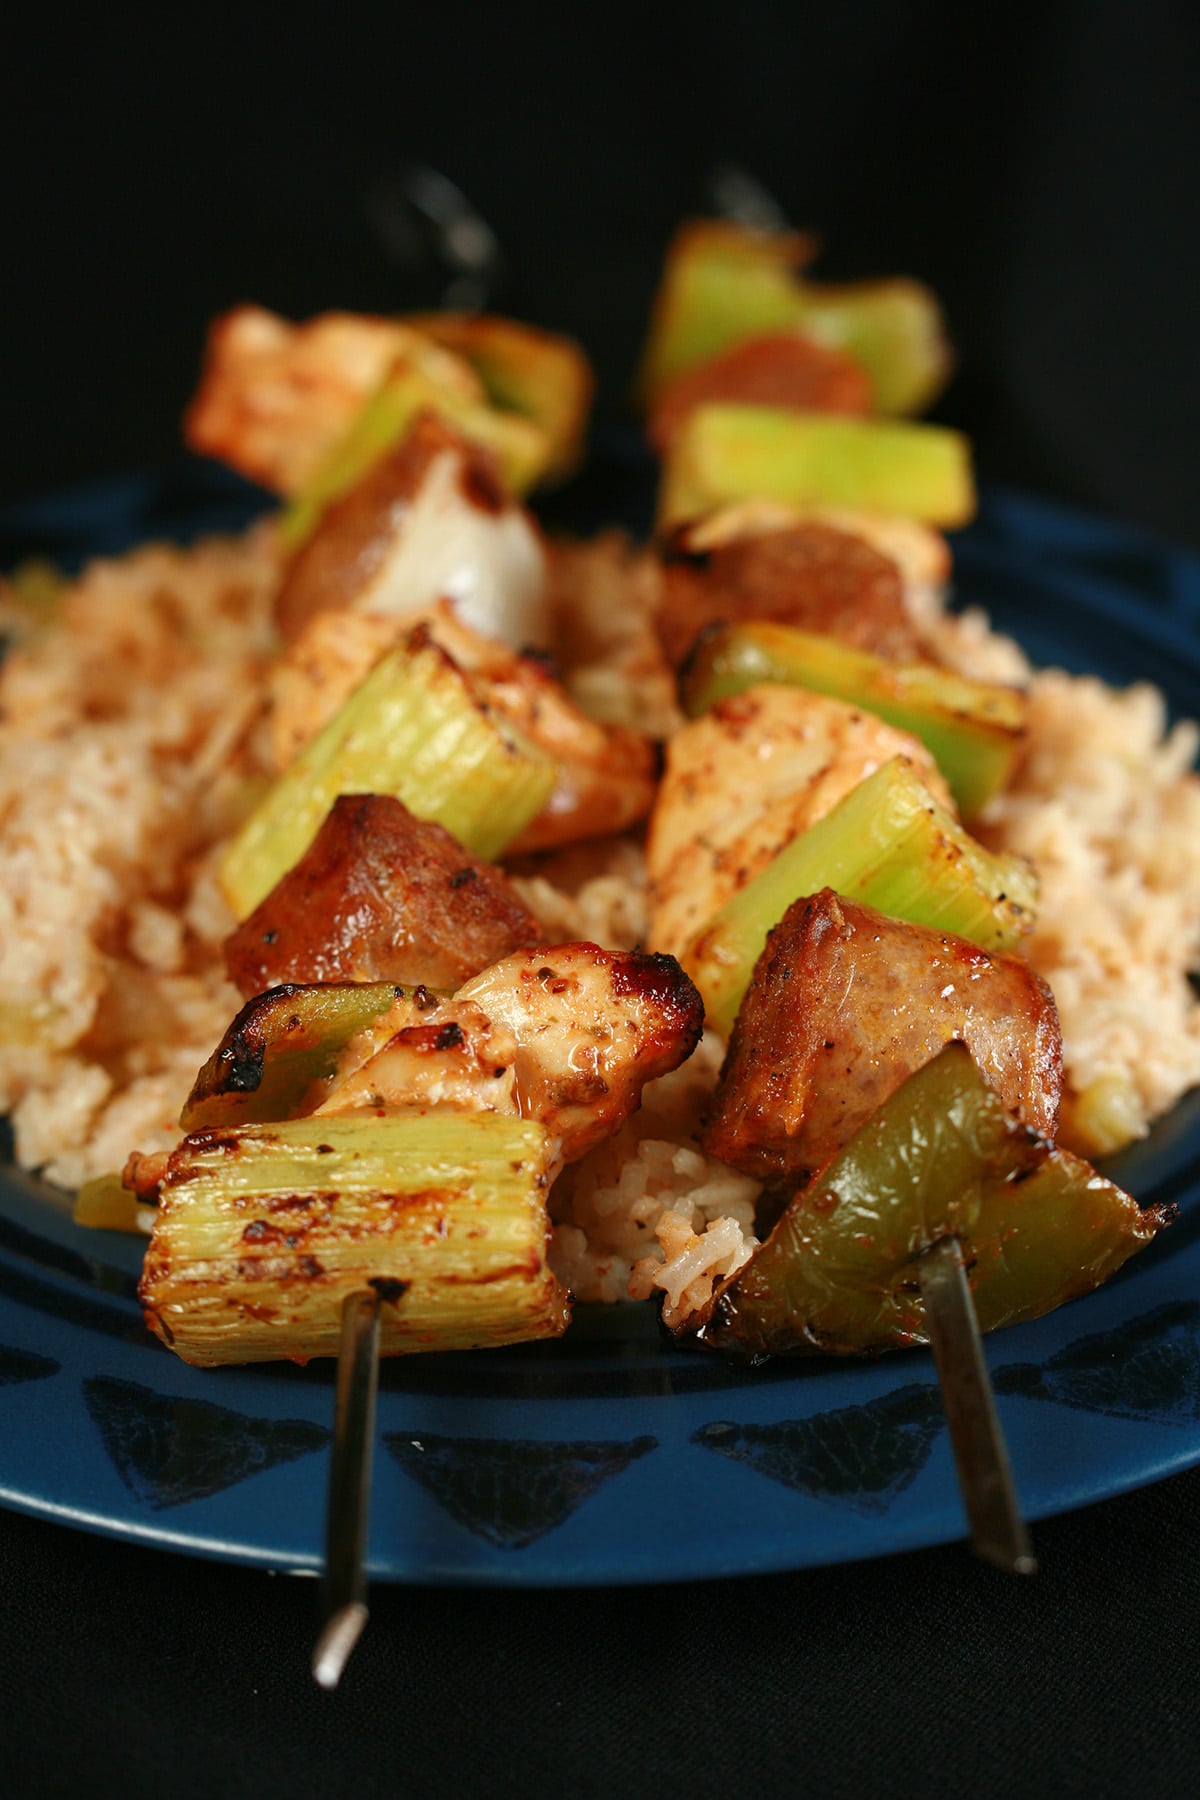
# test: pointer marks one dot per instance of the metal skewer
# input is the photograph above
(349, 1487)
(998, 1532)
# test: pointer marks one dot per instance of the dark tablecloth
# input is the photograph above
(124, 1670)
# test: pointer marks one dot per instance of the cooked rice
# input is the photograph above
(132, 741)
(129, 746)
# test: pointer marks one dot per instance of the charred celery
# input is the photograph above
(724, 453)
(278, 1057)
(723, 284)
(941, 1158)
(520, 445)
(535, 374)
(412, 729)
(263, 1231)
(973, 728)
(888, 843)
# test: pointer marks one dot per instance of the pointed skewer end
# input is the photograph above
(339, 1635)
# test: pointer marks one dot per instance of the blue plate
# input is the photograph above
(612, 1456)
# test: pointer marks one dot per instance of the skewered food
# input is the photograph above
(380, 895)
(810, 575)
(843, 1006)
(402, 728)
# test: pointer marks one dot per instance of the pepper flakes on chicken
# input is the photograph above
(745, 779)
(844, 1005)
(275, 398)
(380, 895)
(606, 774)
(568, 1036)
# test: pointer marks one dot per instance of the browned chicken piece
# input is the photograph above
(782, 368)
(568, 1036)
(430, 519)
(843, 1006)
(274, 398)
(811, 576)
(606, 773)
(745, 779)
(380, 896)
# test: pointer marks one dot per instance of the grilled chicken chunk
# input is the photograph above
(380, 896)
(606, 773)
(782, 368)
(430, 520)
(745, 779)
(275, 398)
(809, 575)
(844, 1005)
(568, 1036)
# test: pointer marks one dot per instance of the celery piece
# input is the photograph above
(941, 1158)
(519, 444)
(723, 284)
(263, 1231)
(106, 1204)
(279, 1055)
(538, 374)
(888, 843)
(412, 729)
(723, 453)
(973, 729)
(892, 327)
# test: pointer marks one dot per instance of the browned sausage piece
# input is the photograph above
(843, 1006)
(810, 575)
(380, 896)
(782, 368)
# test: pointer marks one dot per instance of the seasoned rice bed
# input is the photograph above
(133, 740)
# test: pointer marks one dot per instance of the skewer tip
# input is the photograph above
(339, 1635)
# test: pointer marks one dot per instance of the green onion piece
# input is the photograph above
(888, 843)
(263, 1231)
(412, 729)
(941, 1158)
(973, 729)
(277, 1059)
(723, 453)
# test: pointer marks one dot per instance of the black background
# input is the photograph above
(1040, 166)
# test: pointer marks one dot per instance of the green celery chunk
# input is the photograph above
(412, 729)
(538, 374)
(263, 1231)
(974, 729)
(519, 444)
(278, 1057)
(105, 1204)
(893, 328)
(941, 1158)
(888, 843)
(724, 453)
(723, 284)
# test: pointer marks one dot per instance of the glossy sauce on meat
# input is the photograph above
(843, 1006)
(380, 896)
